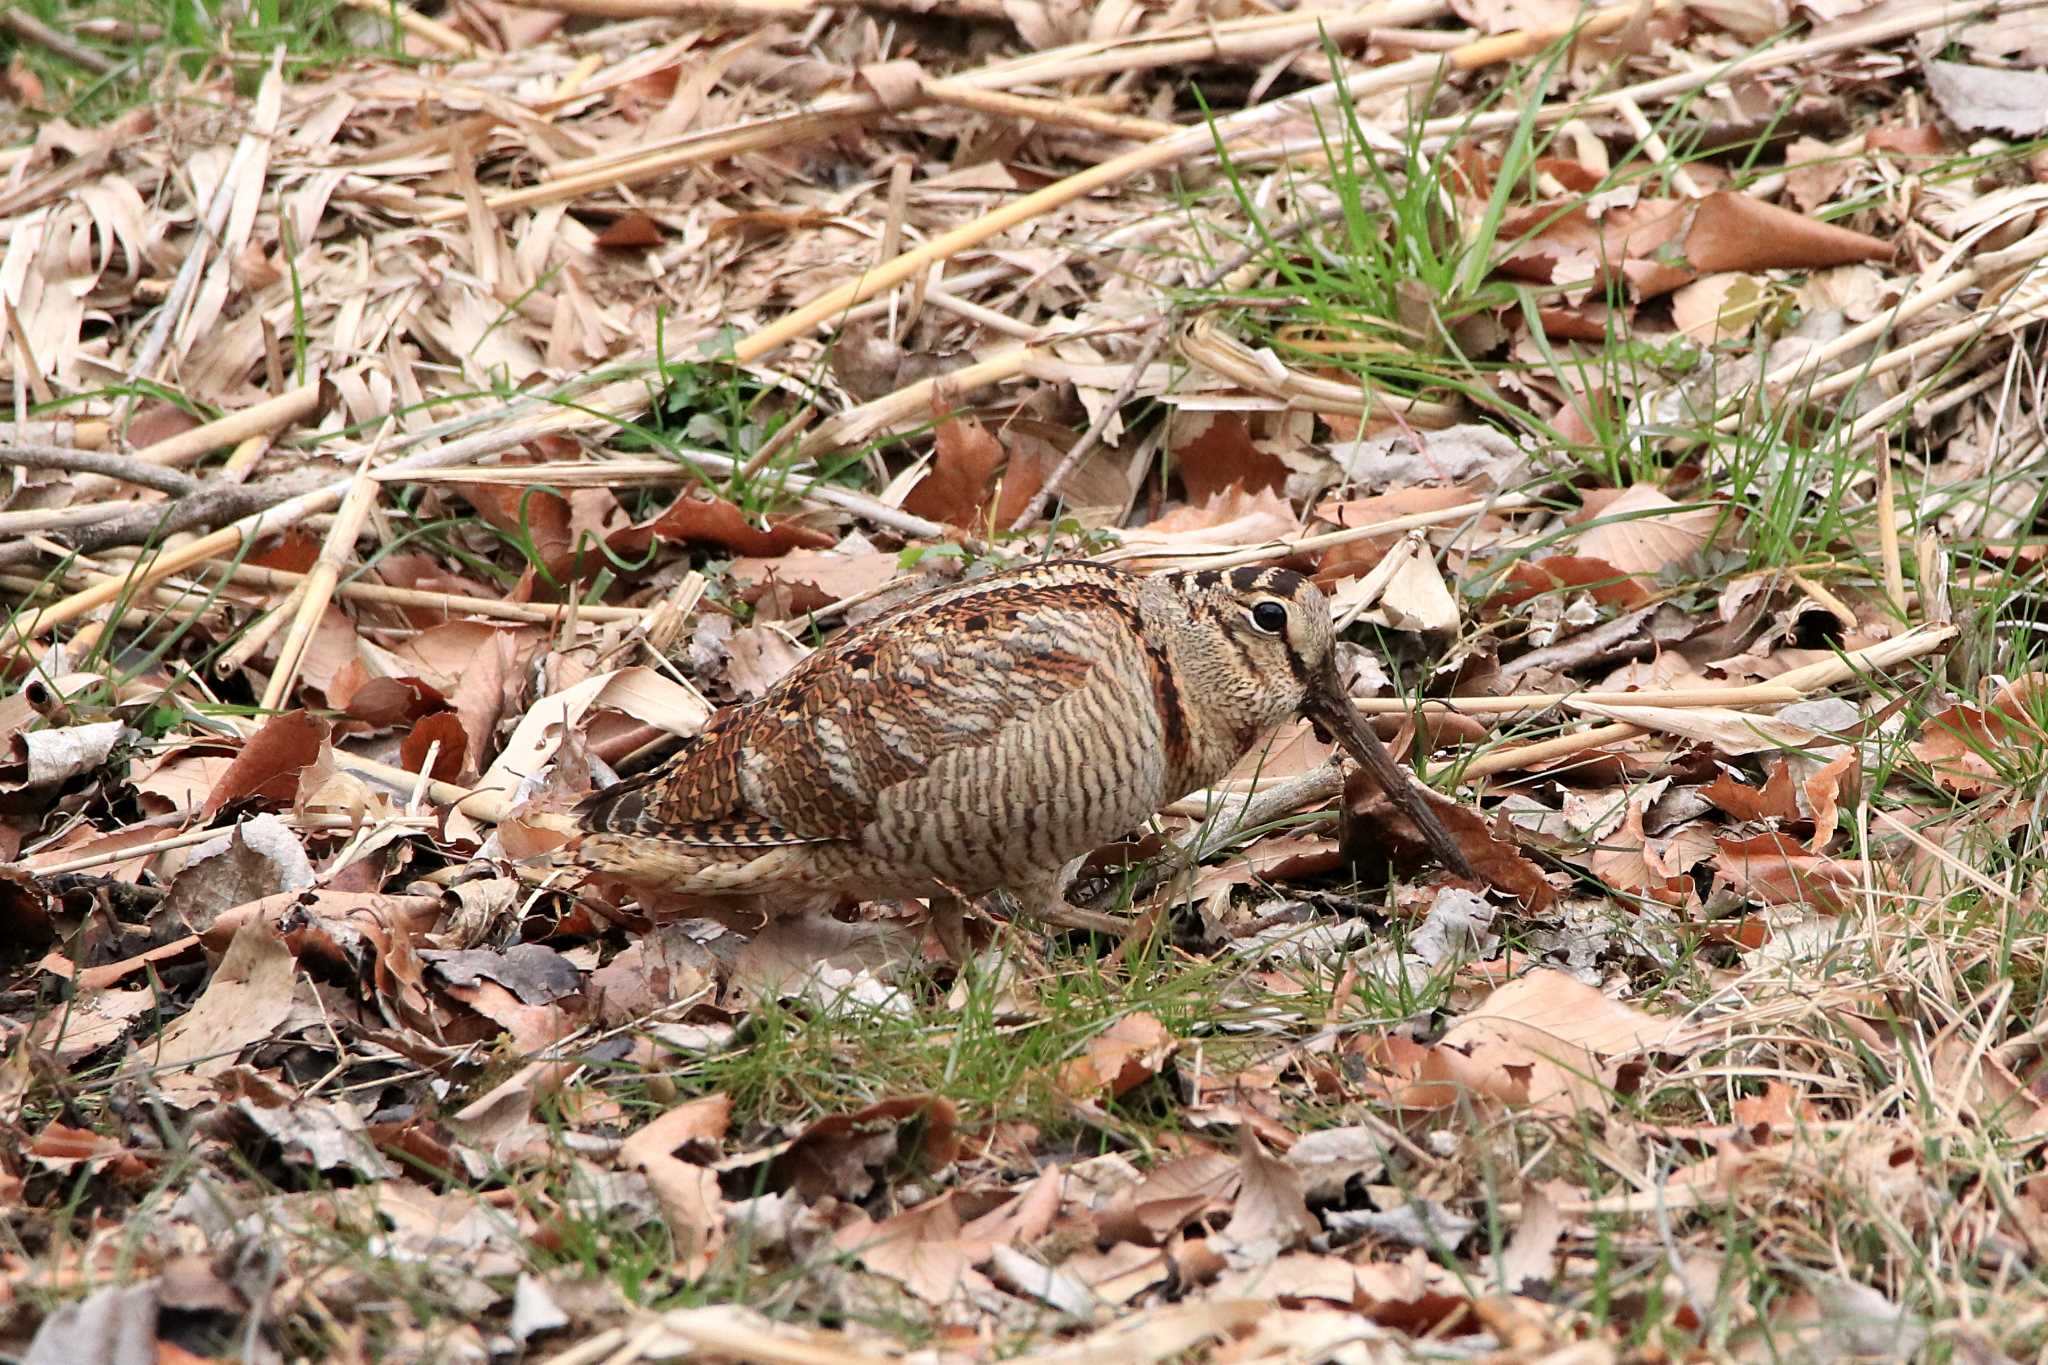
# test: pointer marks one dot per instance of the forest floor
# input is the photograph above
(419, 413)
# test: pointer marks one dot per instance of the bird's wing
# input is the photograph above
(810, 760)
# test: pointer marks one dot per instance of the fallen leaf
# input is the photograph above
(1269, 1215)
(1128, 1053)
(1644, 532)
(839, 1154)
(1213, 453)
(1990, 99)
(1544, 1041)
(922, 1249)
(270, 761)
(249, 996)
(1660, 244)
(706, 520)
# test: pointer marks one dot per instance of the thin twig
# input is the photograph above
(1154, 344)
(125, 468)
(30, 29)
(210, 505)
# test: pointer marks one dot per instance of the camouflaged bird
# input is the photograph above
(983, 736)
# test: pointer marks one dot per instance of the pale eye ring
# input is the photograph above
(1270, 617)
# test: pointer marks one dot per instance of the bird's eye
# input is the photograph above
(1270, 617)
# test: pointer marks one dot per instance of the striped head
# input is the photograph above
(1258, 644)
(1258, 647)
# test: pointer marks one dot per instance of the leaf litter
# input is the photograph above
(1673, 435)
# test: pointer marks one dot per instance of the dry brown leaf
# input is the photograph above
(270, 762)
(1269, 1216)
(961, 487)
(839, 1154)
(1608, 584)
(1775, 870)
(1659, 244)
(1968, 746)
(1544, 1041)
(705, 520)
(922, 1249)
(1169, 1198)
(1131, 1051)
(1644, 532)
(249, 996)
(1213, 453)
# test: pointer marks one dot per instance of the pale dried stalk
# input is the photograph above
(262, 420)
(1946, 858)
(611, 473)
(1038, 109)
(186, 839)
(43, 520)
(256, 525)
(1234, 40)
(419, 25)
(118, 468)
(30, 29)
(1760, 694)
(1805, 680)
(1166, 151)
(186, 281)
(1656, 149)
(1887, 27)
(911, 403)
(1548, 750)
(1220, 353)
(1228, 557)
(1953, 337)
(1988, 267)
(454, 604)
(259, 633)
(267, 418)
(1888, 532)
(318, 589)
(182, 602)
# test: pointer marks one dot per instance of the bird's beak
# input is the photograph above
(1331, 708)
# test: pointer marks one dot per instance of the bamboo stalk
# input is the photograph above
(170, 561)
(1547, 750)
(1221, 558)
(1037, 109)
(1888, 531)
(1760, 694)
(1805, 681)
(186, 839)
(1240, 39)
(318, 589)
(455, 604)
(262, 419)
(260, 632)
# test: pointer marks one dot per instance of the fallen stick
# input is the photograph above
(209, 505)
(123, 468)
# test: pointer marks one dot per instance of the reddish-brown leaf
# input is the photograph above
(1217, 454)
(965, 462)
(705, 520)
(270, 762)
(443, 728)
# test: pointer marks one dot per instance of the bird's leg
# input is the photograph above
(949, 926)
(1046, 899)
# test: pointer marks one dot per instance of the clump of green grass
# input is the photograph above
(129, 47)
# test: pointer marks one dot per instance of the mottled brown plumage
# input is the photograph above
(982, 736)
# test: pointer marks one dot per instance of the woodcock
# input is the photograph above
(982, 736)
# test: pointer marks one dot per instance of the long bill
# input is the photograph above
(1331, 709)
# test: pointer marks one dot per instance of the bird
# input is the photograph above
(984, 736)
